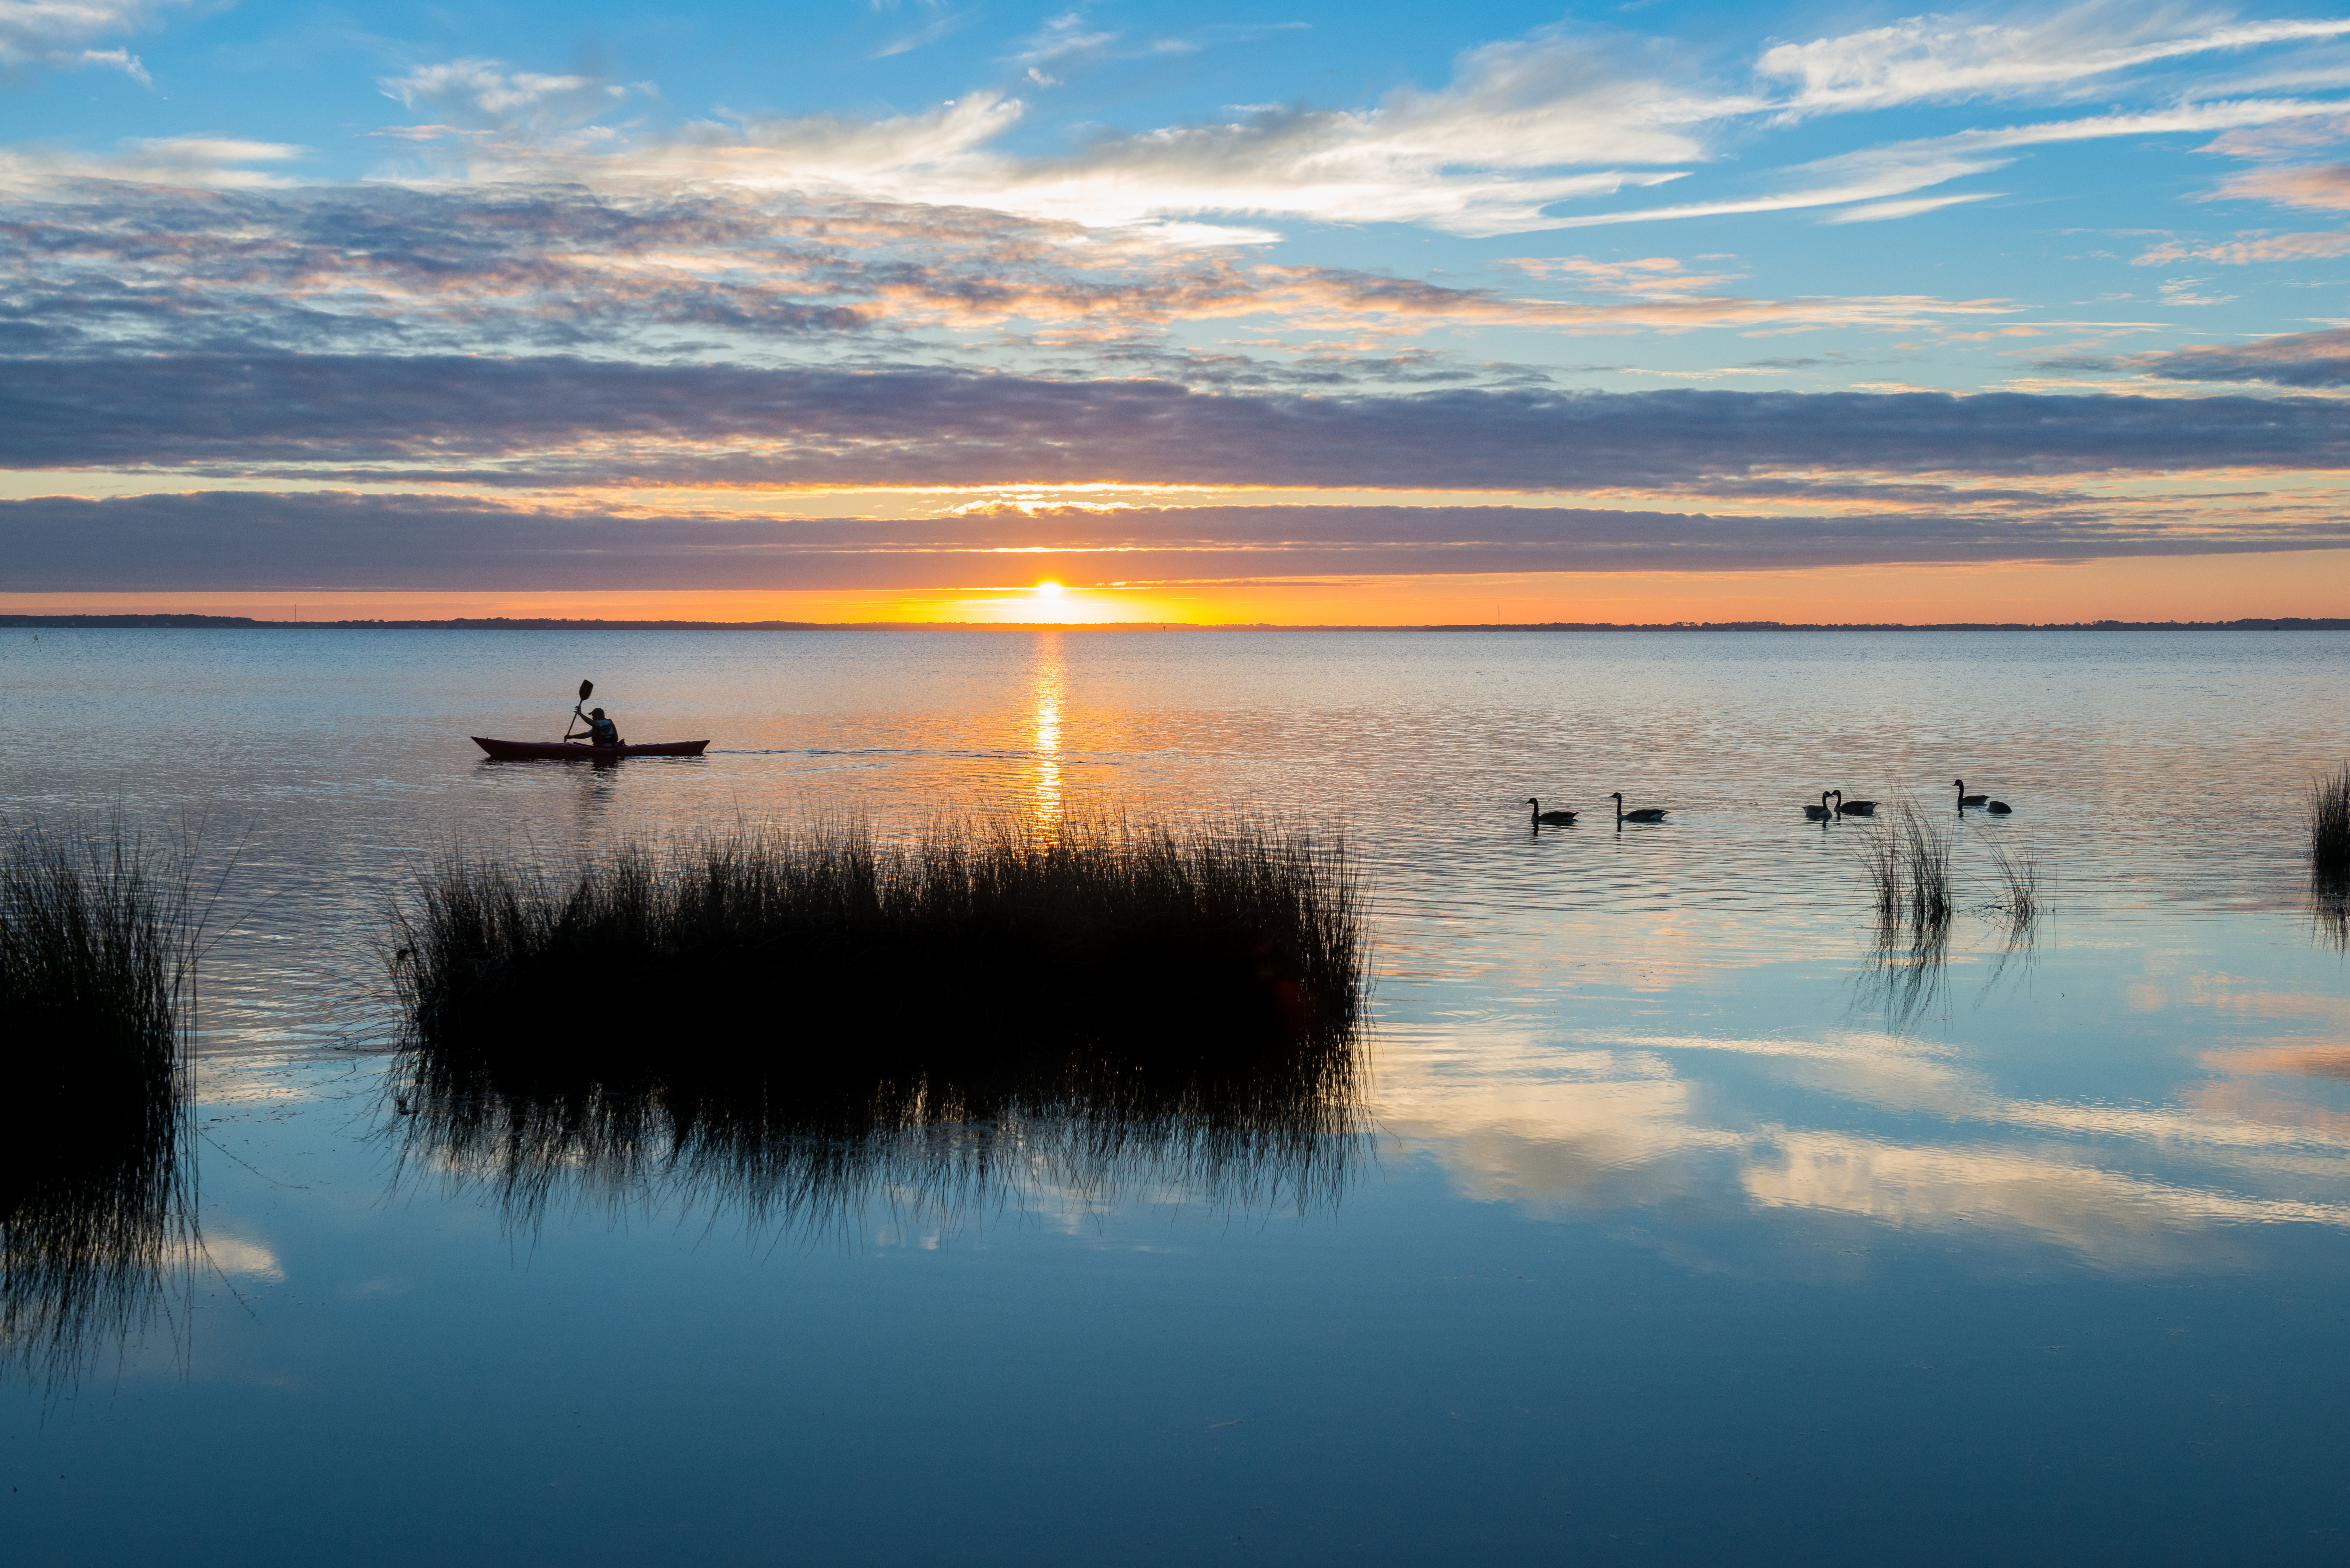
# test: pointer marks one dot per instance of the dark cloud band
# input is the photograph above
(571, 420)
(246, 541)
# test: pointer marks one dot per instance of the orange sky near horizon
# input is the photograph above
(2313, 583)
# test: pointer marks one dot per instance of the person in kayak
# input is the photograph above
(601, 732)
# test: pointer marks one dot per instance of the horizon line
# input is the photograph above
(170, 621)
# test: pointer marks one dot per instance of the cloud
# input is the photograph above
(1878, 173)
(484, 93)
(1059, 37)
(2325, 187)
(1936, 58)
(2245, 251)
(200, 163)
(734, 274)
(1879, 212)
(2308, 360)
(244, 540)
(58, 35)
(1483, 154)
(1649, 276)
(928, 33)
(1524, 128)
(567, 421)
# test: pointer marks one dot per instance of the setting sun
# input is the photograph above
(1048, 590)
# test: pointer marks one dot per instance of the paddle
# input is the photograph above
(586, 690)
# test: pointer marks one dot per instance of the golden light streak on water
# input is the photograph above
(1048, 694)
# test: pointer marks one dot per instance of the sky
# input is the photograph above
(883, 309)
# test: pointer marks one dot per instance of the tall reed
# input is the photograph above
(2017, 873)
(96, 956)
(790, 1018)
(1908, 860)
(2329, 826)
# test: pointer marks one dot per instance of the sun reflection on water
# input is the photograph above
(1048, 693)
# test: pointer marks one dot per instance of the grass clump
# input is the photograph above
(96, 955)
(1909, 864)
(2017, 875)
(793, 1020)
(2329, 827)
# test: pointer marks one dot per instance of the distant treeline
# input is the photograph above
(492, 623)
(2283, 623)
(502, 623)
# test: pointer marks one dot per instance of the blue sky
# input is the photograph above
(1421, 224)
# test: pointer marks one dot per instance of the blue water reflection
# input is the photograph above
(1691, 1225)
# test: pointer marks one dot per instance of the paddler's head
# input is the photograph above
(595, 712)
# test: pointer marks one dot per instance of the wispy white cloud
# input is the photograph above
(928, 33)
(486, 93)
(1879, 212)
(60, 35)
(1948, 59)
(211, 163)
(1522, 126)
(1059, 37)
(1653, 276)
(2251, 249)
(1895, 169)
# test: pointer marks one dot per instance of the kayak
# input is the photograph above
(568, 751)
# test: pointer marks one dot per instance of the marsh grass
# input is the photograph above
(2329, 828)
(2016, 875)
(790, 1022)
(97, 949)
(1907, 861)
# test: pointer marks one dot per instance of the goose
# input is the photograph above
(1966, 799)
(1645, 813)
(1560, 818)
(1855, 807)
(1998, 807)
(1821, 811)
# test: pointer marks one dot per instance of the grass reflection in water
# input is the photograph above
(1910, 859)
(795, 1024)
(2329, 857)
(96, 1182)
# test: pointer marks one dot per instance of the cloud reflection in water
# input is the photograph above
(1593, 1125)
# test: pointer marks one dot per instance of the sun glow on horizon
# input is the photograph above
(1048, 589)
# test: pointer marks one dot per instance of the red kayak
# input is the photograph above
(569, 751)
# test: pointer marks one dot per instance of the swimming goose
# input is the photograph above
(1645, 813)
(1855, 807)
(1966, 799)
(1821, 811)
(1559, 817)
(1998, 807)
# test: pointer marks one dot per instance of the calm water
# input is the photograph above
(1688, 1231)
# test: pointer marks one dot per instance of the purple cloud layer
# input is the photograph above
(240, 540)
(570, 421)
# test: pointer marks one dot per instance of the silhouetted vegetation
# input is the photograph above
(2017, 874)
(94, 1201)
(2329, 826)
(1908, 859)
(794, 1021)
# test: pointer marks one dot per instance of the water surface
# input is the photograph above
(1689, 1227)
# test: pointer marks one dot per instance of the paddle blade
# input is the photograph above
(586, 690)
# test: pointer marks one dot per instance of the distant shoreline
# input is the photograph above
(501, 623)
